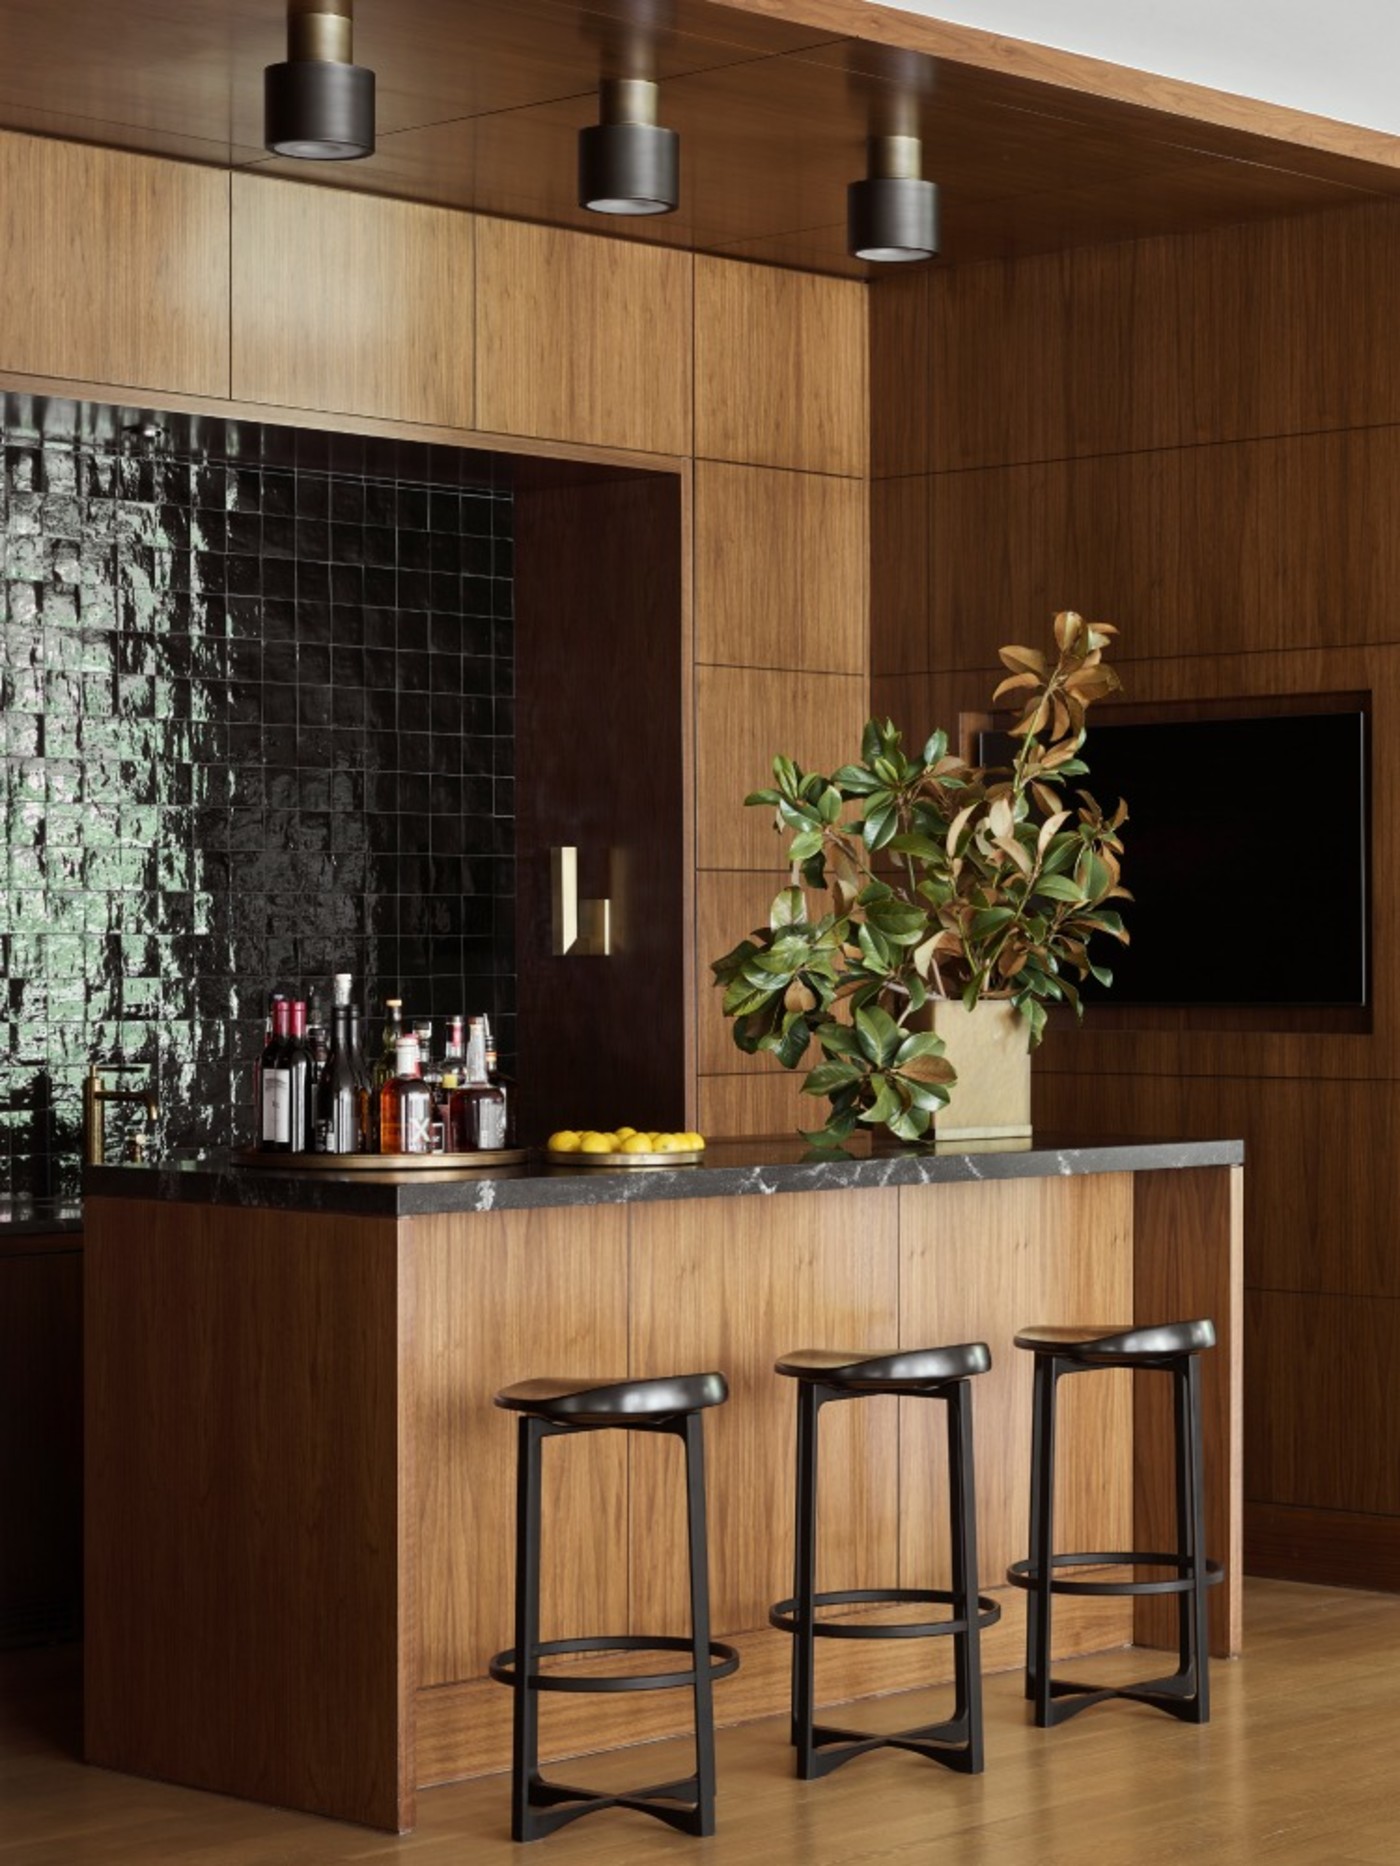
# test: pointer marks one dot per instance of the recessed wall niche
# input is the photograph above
(257, 723)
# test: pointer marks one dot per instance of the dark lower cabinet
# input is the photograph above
(41, 1439)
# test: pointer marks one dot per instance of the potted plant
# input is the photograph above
(962, 899)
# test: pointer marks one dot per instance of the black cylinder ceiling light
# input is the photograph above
(892, 215)
(319, 105)
(627, 163)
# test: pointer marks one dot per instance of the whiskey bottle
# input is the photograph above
(478, 1121)
(385, 1068)
(405, 1106)
(505, 1083)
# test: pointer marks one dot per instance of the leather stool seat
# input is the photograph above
(915, 1368)
(1120, 1347)
(591, 1401)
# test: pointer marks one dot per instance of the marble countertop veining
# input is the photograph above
(730, 1169)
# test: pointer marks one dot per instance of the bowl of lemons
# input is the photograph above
(624, 1146)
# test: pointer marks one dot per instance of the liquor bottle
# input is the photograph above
(298, 1055)
(505, 1083)
(275, 1084)
(385, 1067)
(405, 1107)
(447, 1079)
(364, 1083)
(338, 1094)
(479, 1107)
(454, 1056)
(274, 999)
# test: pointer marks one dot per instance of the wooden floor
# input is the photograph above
(1301, 1764)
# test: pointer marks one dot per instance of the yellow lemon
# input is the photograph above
(695, 1143)
(565, 1141)
(635, 1143)
(597, 1143)
(670, 1143)
(624, 1133)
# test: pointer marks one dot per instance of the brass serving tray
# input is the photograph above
(692, 1156)
(381, 1162)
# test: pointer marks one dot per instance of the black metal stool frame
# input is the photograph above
(957, 1742)
(1184, 1693)
(540, 1807)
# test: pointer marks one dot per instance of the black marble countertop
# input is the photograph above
(731, 1169)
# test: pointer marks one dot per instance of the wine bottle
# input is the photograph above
(405, 1106)
(273, 1000)
(339, 1092)
(298, 1054)
(275, 1103)
(478, 1119)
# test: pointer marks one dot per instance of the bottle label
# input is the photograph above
(491, 1118)
(417, 1123)
(277, 1107)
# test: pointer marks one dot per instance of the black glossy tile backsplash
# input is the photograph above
(257, 726)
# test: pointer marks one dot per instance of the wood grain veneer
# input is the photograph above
(583, 339)
(249, 1571)
(1042, 1251)
(521, 1295)
(781, 569)
(342, 303)
(781, 369)
(756, 1103)
(743, 717)
(116, 267)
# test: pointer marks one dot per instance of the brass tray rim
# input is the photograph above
(380, 1162)
(691, 1156)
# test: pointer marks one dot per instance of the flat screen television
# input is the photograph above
(1223, 813)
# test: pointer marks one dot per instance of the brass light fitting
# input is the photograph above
(627, 163)
(319, 105)
(95, 1098)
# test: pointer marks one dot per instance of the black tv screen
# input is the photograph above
(1246, 851)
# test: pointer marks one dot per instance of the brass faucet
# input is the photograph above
(95, 1099)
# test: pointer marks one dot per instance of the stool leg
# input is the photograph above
(1191, 1531)
(525, 1747)
(805, 1582)
(962, 1491)
(1042, 1539)
(700, 1625)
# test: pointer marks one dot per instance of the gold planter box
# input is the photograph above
(991, 1099)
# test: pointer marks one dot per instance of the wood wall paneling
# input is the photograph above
(247, 1552)
(116, 267)
(350, 304)
(744, 717)
(553, 1303)
(583, 339)
(781, 368)
(781, 569)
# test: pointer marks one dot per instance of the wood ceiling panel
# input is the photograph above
(480, 102)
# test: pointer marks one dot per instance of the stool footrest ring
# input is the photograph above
(725, 1660)
(1026, 1575)
(784, 1614)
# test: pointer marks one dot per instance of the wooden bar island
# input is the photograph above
(300, 1498)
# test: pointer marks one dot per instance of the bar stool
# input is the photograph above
(549, 1408)
(1174, 1348)
(928, 1373)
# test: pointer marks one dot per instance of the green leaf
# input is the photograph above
(1059, 888)
(763, 796)
(807, 844)
(990, 920)
(839, 1040)
(742, 998)
(879, 826)
(935, 748)
(789, 909)
(829, 804)
(919, 1043)
(923, 846)
(885, 1106)
(879, 1034)
(828, 1076)
(856, 781)
(795, 1040)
